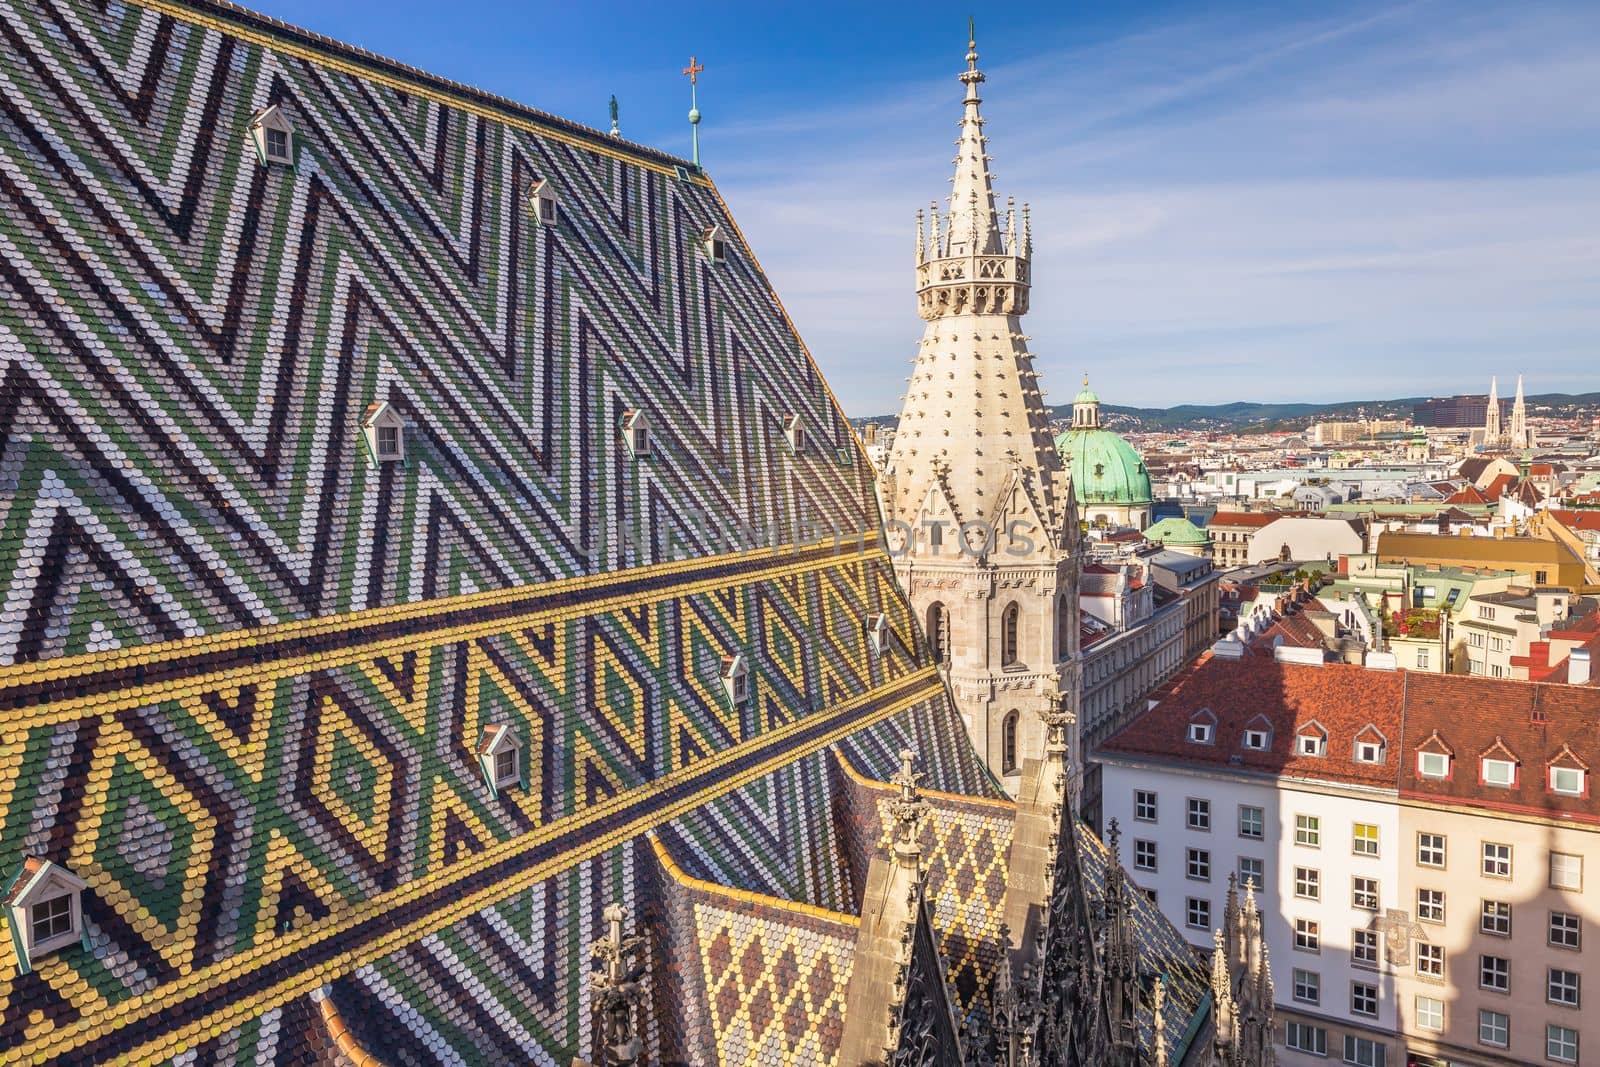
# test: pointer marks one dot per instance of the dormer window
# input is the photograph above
(384, 431)
(1369, 746)
(1311, 740)
(1257, 734)
(877, 627)
(1568, 775)
(1501, 772)
(272, 137)
(1202, 727)
(713, 244)
(542, 199)
(500, 756)
(1433, 765)
(794, 431)
(736, 679)
(45, 908)
(636, 433)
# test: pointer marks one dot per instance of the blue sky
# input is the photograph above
(1242, 202)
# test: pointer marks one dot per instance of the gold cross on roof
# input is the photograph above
(693, 70)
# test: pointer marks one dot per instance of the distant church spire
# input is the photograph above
(1491, 418)
(1520, 437)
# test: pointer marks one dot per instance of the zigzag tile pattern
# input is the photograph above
(243, 669)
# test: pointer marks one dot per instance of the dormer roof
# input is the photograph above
(37, 877)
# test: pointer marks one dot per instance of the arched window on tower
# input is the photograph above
(1008, 743)
(1008, 636)
(939, 634)
(1064, 624)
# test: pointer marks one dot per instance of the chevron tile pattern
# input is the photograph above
(244, 667)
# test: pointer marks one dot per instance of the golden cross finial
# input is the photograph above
(693, 70)
(1086, 379)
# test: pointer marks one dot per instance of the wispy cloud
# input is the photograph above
(1400, 201)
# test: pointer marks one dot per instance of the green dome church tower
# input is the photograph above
(1108, 476)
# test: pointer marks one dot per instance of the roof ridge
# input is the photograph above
(238, 21)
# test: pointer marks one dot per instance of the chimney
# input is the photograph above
(1578, 667)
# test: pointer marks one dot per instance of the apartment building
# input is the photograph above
(1417, 844)
(1500, 627)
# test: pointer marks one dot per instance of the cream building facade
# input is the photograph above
(978, 507)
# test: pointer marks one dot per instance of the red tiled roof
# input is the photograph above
(1577, 520)
(1535, 722)
(1468, 495)
(1498, 486)
(1344, 699)
(1296, 630)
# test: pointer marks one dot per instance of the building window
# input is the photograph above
(1307, 883)
(50, 919)
(388, 442)
(1307, 987)
(1430, 1013)
(1259, 740)
(1307, 935)
(1568, 781)
(1422, 659)
(1433, 764)
(1494, 972)
(1500, 772)
(1430, 960)
(1199, 814)
(1311, 744)
(1430, 850)
(1363, 1051)
(1144, 855)
(1565, 930)
(1494, 1028)
(273, 136)
(1364, 948)
(1485, 612)
(877, 630)
(1562, 987)
(1198, 913)
(1200, 733)
(1430, 905)
(1008, 744)
(1363, 999)
(1199, 866)
(1303, 1037)
(1144, 806)
(1561, 1043)
(505, 767)
(938, 639)
(1364, 839)
(1364, 893)
(1496, 860)
(1008, 636)
(1251, 822)
(384, 432)
(1495, 918)
(1369, 752)
(1251, 872)
(1566, 871)
(1308, 831)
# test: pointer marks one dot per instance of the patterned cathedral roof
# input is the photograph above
(320, 501)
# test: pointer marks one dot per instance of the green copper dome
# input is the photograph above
(1105, 468)
(1088, 396)
(1176, 531)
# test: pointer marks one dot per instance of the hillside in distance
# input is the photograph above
(1248, 416)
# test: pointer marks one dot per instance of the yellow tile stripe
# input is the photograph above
(744, 896)
(587, 593)
(372, 67)
(847, 718)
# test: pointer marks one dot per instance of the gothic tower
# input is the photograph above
(978, 508)
(1491, 417)
(1520, 437)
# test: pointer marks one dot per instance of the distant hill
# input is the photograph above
(1249, 416)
